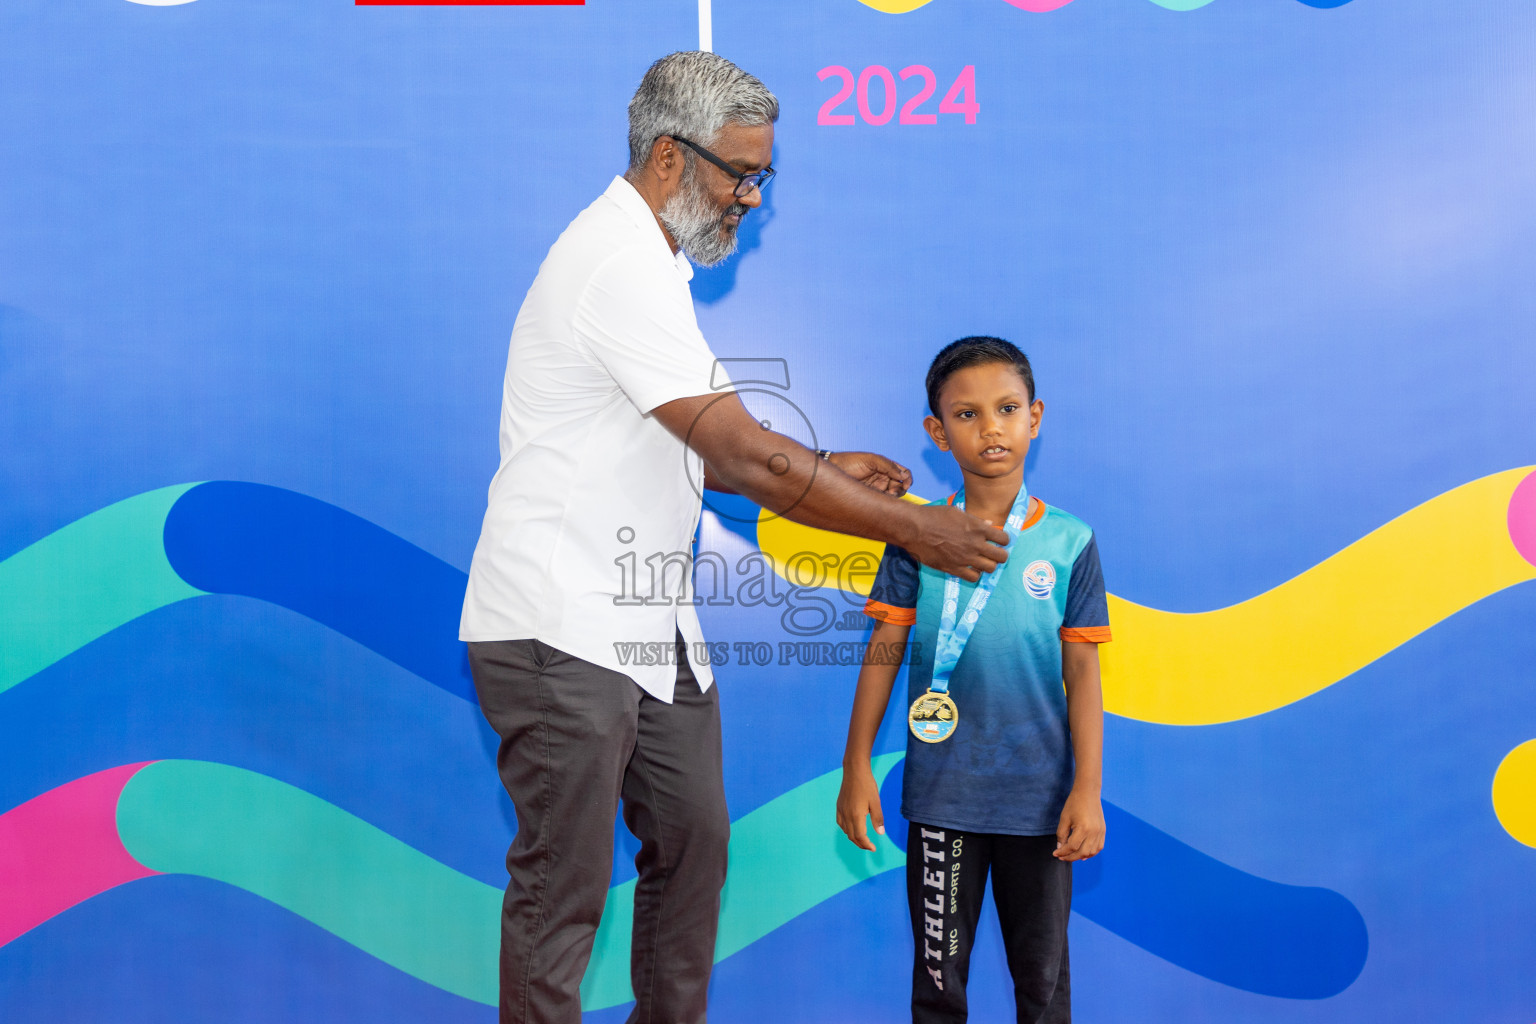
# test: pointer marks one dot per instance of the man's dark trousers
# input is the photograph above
(575, 737)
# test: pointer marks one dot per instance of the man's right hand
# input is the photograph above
(950, 540)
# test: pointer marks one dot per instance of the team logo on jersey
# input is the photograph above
(1040, 579)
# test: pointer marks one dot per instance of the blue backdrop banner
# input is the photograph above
(1273, 263)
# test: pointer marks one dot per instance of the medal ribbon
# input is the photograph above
(953, 636)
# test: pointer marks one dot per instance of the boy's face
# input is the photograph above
(986, 419)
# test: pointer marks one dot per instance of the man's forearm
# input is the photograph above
(789, 479)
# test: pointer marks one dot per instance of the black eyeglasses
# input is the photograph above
(744, 182)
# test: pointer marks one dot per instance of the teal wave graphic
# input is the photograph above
(394, 902)
(85, 580)
(786, 857)
(267, 543)
(312, 858)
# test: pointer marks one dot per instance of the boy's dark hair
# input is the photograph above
(974, 351)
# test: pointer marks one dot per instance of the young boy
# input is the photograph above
(1004, 752)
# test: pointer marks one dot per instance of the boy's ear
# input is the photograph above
(1036, 410)
(936, 431)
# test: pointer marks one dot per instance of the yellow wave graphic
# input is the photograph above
(1300, 637)
(895, 6)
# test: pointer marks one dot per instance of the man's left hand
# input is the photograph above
(874, 471)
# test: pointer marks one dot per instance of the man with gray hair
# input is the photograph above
(612, 405)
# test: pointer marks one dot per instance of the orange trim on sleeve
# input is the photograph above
(889, 613)
(1085, 634)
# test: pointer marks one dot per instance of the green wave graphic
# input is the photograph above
(394, 902)
(85, 580)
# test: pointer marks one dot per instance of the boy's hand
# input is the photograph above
(859, 797)
(1081, 832)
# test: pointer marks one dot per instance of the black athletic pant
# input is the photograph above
(946, 878)
(574, 738)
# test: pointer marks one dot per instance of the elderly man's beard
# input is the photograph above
(698, 226)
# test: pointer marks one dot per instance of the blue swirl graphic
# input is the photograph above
(325, 563)
(1167, 897)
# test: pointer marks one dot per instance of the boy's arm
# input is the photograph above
(1080, 834)
(860, 796)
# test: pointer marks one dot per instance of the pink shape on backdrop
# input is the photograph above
(1522, 518)
(1039, 6)
(62, 848)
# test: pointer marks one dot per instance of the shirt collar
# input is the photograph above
(633, 203)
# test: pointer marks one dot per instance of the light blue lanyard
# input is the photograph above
(952, 639)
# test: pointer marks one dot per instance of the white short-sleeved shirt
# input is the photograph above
(590, 485)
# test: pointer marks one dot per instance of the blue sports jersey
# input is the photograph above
(1008, 766)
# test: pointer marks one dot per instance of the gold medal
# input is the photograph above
(933, 717)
